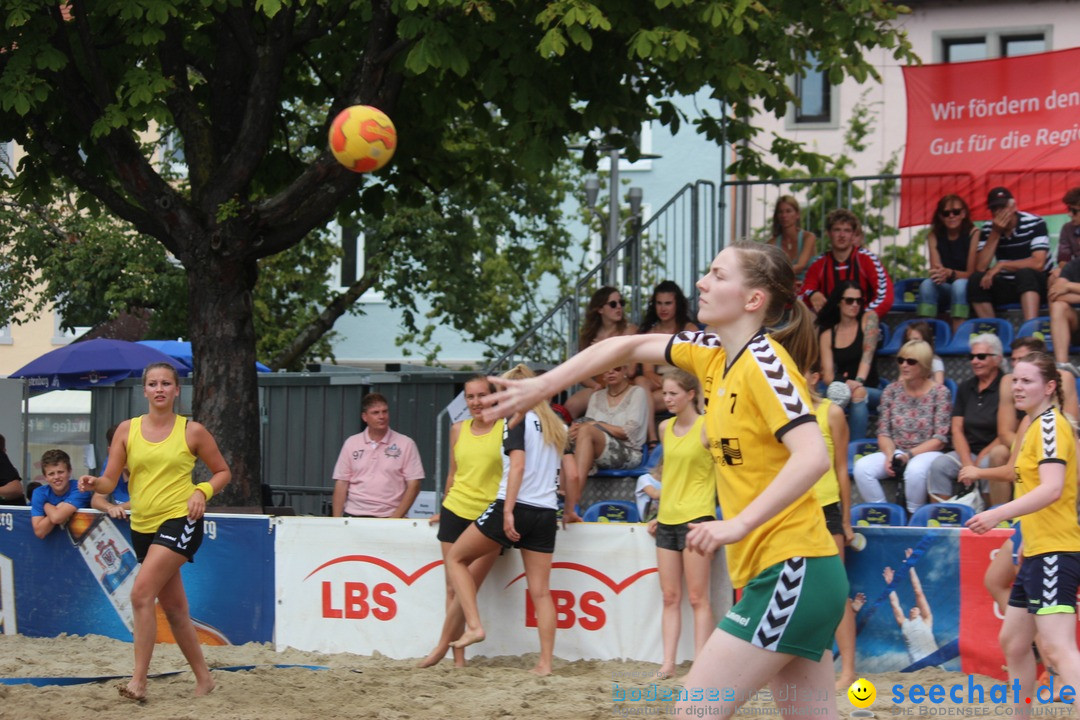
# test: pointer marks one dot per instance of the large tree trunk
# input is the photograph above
(223, 346)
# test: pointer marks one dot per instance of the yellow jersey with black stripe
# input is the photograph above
(1049, 439)
(160, 475)
(478, 468)
(688, 489)
(827, 488)
(751, 401)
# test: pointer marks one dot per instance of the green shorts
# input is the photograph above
(792, 607)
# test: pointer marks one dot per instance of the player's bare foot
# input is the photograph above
(541, 669)
(434, 657)
(469, 637)
(665, 672)
(843, 682)
(205, 686)
(132, 691)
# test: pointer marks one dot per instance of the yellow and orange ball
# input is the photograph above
(363, 138)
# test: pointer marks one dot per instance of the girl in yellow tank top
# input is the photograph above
(471, 485)
(687, 494)
(768, 452)
(159, 451)
(1043, 597)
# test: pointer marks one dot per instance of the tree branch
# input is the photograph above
(325, 321)
(261, 103)
(190, 122)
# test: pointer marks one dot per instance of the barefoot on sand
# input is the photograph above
(136, 694)
(204, 687)
(468, 638)
(434, 657)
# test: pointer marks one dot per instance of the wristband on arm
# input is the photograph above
(206, 488)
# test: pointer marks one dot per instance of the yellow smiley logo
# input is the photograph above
(862, 693)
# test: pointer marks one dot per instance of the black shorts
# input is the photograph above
(833, 518)
(1058, 594)
(178, 534)
(535, 525)
(673, 537)
(451, 525)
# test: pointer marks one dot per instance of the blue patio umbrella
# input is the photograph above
(92, 363)
(181, 350)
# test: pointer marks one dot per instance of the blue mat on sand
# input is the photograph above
(46, 681)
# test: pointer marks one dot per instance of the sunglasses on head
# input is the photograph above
(851, 300)
(615, 303)
(981, 356)
(906, 361)
(952, 212)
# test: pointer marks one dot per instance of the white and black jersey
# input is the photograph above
(1029, 236)
(542, 463)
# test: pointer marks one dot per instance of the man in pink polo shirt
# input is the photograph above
(378, 472)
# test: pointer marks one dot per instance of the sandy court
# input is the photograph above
(371, 687)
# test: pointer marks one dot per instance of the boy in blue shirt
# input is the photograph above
(58, 499)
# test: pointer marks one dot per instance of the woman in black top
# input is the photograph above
(849, 338)
(952, 244)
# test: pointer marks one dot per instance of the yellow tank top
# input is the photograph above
(827, 488)
(1049, 439)
(161, 482)
(688, 486)
(478, 471)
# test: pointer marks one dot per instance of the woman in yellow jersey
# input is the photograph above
(471, 485)
(1043, 597)
(159, 450)
(688, 494)
(768, 453)
(833, 492)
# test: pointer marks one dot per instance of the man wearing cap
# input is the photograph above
(1019, 244)
(378, 472)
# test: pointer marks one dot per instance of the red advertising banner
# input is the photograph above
(1013, 122)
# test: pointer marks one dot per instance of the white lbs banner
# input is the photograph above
(363, 585)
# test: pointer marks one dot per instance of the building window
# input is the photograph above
(813, 92)
(964, 46)
(351, 268)
(5, 335)
(816, 107)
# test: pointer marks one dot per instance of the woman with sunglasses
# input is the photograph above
(605, 316)
(952, 243)
(848, 341)
(913, 429)
(921, 330)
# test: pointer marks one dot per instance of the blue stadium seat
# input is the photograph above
(977, 326)
(886, 334)
(649, 458)
(856, 449)
(902, 291)
(942, 515)
(940, 328)
(951, 384)
(612, 511)
(1040, 327)
(879, 513)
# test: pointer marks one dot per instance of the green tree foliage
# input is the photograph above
(481, 93)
